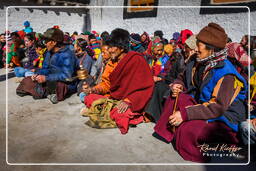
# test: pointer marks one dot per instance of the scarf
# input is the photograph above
(236, 50)
(135, 48)
(213, 60)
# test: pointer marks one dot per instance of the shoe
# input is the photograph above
(53, 98)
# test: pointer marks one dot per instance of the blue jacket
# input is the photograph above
(59, 66)
(231, 116)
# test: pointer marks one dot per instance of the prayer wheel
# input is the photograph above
(82, 74)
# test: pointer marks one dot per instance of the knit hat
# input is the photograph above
(191, 42)
(214, 35)
(135, 38)
(155, 42)
(56, 27)
(168, 49)
(184, 35)
(26, 23)
(54, 34)
(94, 32)
(176, 36)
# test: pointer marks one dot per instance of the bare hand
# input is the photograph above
(175, 119)
(33, 77)
(253, 121)
(156, 79)
(40, 79)
(176, 89)
(122, 107)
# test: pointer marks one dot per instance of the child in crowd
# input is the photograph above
(40, 50)
(30, 56)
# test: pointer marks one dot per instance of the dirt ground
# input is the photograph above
(40, 132)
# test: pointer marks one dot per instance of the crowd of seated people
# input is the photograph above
(193, 87)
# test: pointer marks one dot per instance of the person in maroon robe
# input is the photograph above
(131, 82)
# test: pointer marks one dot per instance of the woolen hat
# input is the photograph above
(191, 42)
(176, 36)
(26, 23)
(214, 35)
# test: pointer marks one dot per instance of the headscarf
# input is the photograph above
(168, 49)
(236, 50)
(153, 43)
(146, 42)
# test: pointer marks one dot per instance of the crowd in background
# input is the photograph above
(191, 82)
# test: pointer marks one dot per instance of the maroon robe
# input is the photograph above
(189, 135)
(132, 79)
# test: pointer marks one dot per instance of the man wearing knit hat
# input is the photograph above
(217, 107)
(136, 44)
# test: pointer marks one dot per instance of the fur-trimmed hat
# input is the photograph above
(119, 38)
(214, 35)
(54, 34)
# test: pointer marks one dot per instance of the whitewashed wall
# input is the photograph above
(41, 21)
(169, 20)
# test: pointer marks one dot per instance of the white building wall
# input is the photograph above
(168, 20)
(41, 21)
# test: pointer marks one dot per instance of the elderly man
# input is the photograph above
(131, 86)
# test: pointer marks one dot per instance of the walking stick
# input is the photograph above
(172, 128)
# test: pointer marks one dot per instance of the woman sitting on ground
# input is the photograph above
(210, 99)
(30, 56)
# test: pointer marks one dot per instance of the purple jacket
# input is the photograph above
(30, 56)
